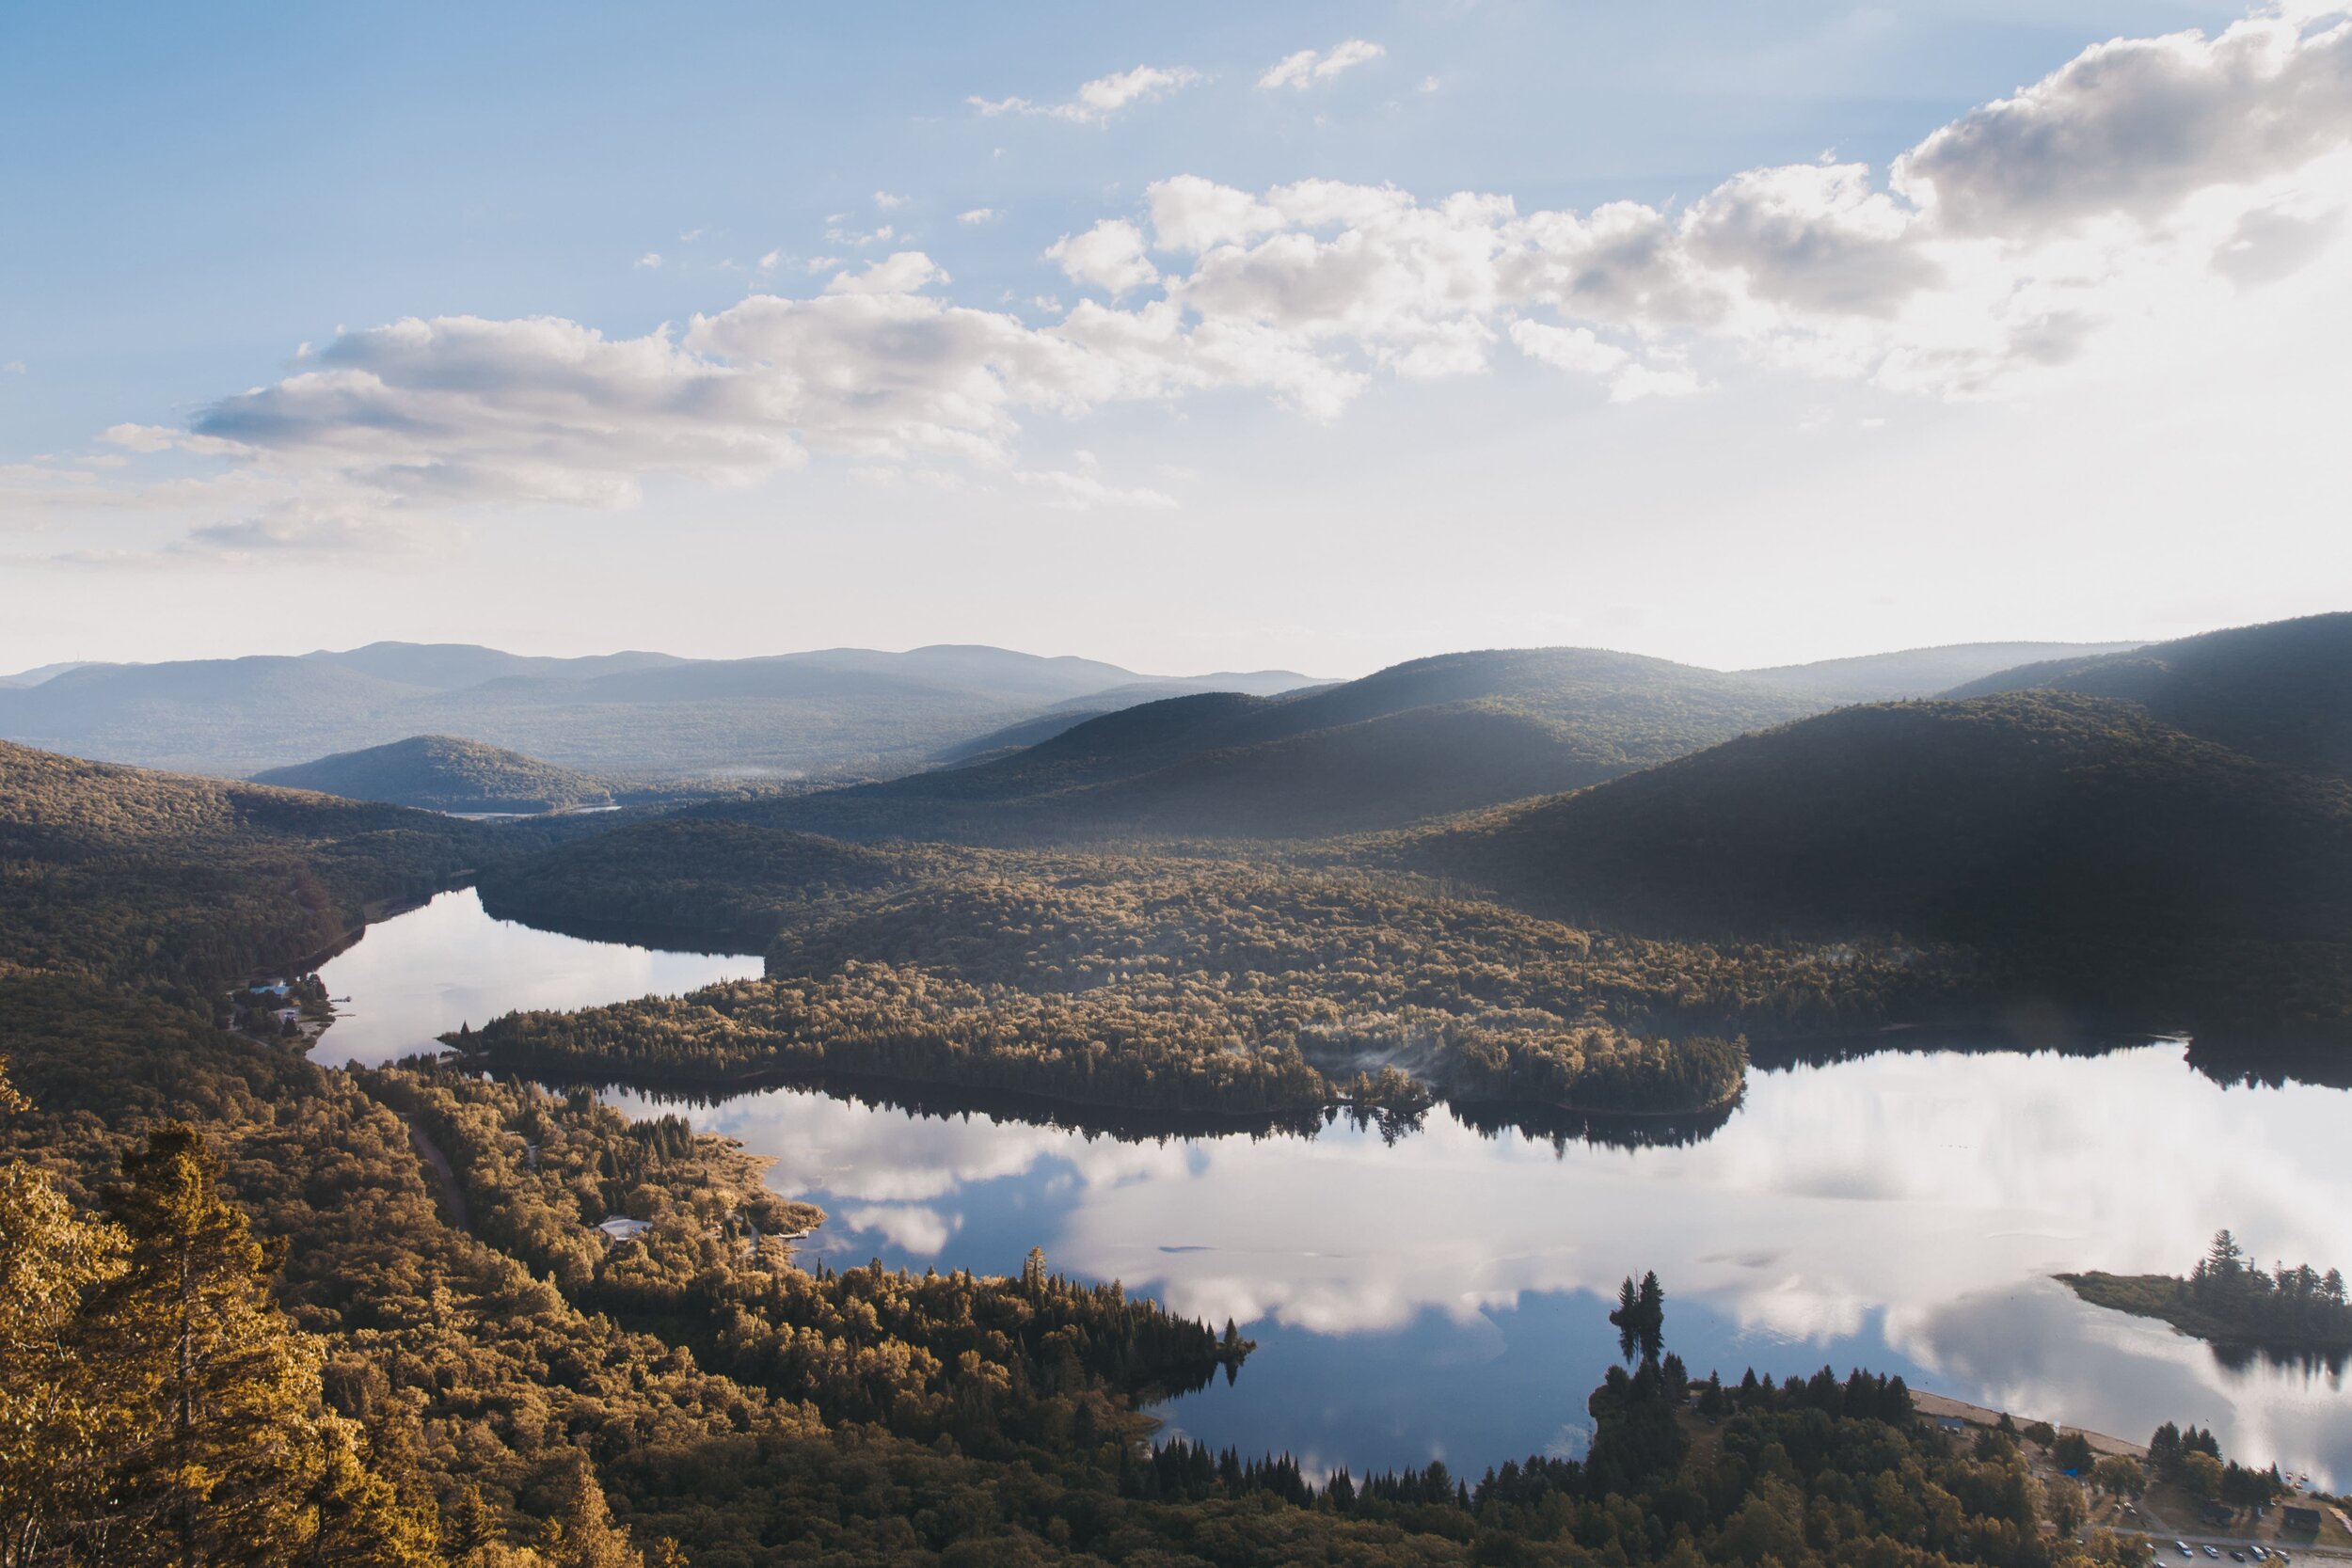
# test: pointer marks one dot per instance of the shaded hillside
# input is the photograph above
(440, 772)
(2282, 691)
(685, 883)
(1431, 736)
(839, 713)
(2075, 835)
(135, 873)
(1915, 672)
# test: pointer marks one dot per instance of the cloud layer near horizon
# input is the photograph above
(2001, 245)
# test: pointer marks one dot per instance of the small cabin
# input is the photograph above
(620, 1227)
(2216, 1515)
(2291, 1517)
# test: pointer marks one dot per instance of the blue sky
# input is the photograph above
(1786, 469)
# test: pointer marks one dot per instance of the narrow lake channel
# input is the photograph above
(1443, 1294)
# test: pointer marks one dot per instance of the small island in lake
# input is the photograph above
(2228, 1300)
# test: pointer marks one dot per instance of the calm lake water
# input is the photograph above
(418, 976)
(1445, 1295)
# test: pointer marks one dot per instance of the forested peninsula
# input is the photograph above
(1177, 981)
(2284, 1312)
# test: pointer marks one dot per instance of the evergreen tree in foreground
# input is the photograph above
(156, 1407)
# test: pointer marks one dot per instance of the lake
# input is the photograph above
(422, 973)
(1444, 1295)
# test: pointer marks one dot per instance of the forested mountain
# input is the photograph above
(843, 712)
(1418, 740)
(129, 872)
(440, 772)
(1915, 672)
(2074, 835)
(40, 672)
(2281, 691)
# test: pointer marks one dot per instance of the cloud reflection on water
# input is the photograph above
(1905, 1204)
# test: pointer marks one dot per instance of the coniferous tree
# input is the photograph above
(228, 1454)
(58, 1413)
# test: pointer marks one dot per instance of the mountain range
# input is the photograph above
(832, 713)
(1426, 738)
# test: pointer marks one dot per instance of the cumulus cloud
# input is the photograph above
(648, 261)
(1308, 67)
(2132, 127)
(977, 214)
(902, 272)
(1109, 256)
(1097, 100)
(2000, 245)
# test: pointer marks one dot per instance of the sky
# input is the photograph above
(1215, 337)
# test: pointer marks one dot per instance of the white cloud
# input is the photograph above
(2133, 127)
(888, 202)
(1097, 100)
(650, 259)
(1191, 214)
(1981, 261)
(1109, 257)
(1083, 492)
(977, 214)
(902, 272)
(1308, 67)
(881, 235)
(14, 367)
(141, 438)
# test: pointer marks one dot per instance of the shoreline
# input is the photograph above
(1928, 1403)
(723, 1086)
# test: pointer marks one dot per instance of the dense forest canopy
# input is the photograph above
(393, 1367)
(1166, 981)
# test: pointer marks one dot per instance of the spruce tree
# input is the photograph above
(228, 1455)
(60, 1413)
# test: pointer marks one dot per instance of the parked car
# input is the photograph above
(2214, 1552)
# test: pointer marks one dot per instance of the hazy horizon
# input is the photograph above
(596, 651)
